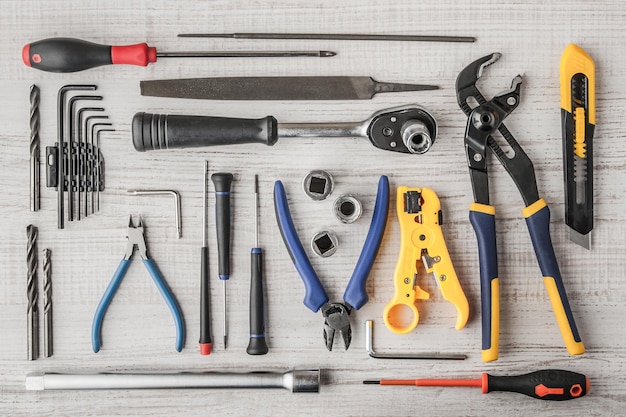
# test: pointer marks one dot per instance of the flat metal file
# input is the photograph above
(275, 88)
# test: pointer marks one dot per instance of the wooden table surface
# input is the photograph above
(138, 331)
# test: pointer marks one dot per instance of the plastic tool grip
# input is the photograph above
(538, 221)
(105, 301)
(169, 300)
(222, 182)
(257, 344)
(103, 305)
(205, 304)
(163, 131)
(483, 220)
(356, 294)
(548, 384)
(315, 295)
(71, 55)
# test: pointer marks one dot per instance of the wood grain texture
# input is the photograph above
(138, 333)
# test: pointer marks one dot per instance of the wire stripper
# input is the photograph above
(421, 238)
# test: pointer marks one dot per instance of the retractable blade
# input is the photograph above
(578, 119)
(275, 88)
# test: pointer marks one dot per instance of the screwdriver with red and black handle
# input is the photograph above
(72, 55)
(547, 384)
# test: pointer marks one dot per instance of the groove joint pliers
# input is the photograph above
(483, 121)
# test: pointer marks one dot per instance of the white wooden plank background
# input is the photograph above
(138, 332)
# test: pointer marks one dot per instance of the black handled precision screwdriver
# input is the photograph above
(205, 299)
(547, 384)
(222, 182)
(72, 55)
(257, 344)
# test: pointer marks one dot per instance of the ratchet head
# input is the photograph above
(466, 81)
(406, 129)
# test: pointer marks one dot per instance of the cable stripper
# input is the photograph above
(421, 238)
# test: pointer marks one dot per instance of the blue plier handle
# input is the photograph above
(135, 239)
(315, 295)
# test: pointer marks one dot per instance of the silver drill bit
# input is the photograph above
(31, 285)
(34, 148)
(47, 304)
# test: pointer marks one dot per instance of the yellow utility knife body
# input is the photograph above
(419, 213)
(578, 119)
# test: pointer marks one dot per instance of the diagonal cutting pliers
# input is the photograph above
(135, 239)
(336, 314)
(484, 120)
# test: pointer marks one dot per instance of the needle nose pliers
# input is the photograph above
(483, 121)
(135, 239)
(336, 314)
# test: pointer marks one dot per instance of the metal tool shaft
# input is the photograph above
(332, 36)
(294, 381)
(32, 293)
(246, 54)
(179, 221)
(47, 304)
(35, 186)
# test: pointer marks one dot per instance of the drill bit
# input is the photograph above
(34, 148)
(47, 304)
(31, 285)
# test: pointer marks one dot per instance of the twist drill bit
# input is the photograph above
(31, 284)
(47, 304)
(34, 148)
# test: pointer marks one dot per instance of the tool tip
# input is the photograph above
(225, 342)
(325, 54)
(371, 382)
(580, 239)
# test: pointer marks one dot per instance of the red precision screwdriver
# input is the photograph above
(72, 55)
(548, 384)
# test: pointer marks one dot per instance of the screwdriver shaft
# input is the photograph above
(245, 54)
(332, 36)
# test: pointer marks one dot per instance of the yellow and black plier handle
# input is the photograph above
(483, 121)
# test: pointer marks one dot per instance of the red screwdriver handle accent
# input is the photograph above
(138, 54)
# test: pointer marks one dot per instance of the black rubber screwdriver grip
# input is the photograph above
(163, 131)
(205, 304)
(222, 182)
(549, 384)
(257, 344)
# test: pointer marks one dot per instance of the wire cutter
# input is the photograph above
(135, 239)
(336, 314)
(483, 121)
(421, 238)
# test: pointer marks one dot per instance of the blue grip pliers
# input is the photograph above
(135, 239)
(336, 315)
(484, 120)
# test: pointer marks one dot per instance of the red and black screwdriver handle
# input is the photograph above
(547, 384)
(72, 55)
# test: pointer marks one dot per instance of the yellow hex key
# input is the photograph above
(421, 239)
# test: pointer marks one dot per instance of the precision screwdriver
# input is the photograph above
(257, 344)
(205, 299)
(222, 182)
(72, 55)
(547, 384)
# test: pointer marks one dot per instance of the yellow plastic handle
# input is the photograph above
(421, 240)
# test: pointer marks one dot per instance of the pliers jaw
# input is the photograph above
(135, 238)
(466, 81)
(336, 318)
